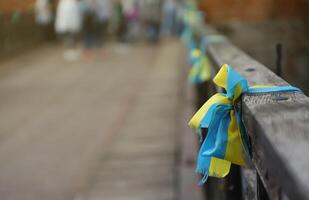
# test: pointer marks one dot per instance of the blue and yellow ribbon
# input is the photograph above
(200, 70)
(192, 18)
(226, 141)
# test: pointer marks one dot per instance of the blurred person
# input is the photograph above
(90, 24)
(169, 17)
(119, 21)
(43, 12)
(131, 12)
(179, 17)
(128, 7)
(151, 15)
(104, 15)
(68, 25)
(43, 17)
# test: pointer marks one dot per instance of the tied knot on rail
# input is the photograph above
(226, 141)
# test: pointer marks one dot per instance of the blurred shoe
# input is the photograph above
(88, 54)
(71, 55)
(122, 49)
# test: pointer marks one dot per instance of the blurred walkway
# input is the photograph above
(96, 129)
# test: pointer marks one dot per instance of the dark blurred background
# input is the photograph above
(257, 26)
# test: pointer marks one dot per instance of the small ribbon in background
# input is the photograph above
(192, 18)
(201, 70)
(226, 141)
(200, 67)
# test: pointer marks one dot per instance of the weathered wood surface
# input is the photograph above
(188, 180)
(248, 180)
(277, 123)
(187, 183)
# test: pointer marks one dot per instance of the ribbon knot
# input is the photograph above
(226, 141)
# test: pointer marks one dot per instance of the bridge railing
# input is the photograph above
(277, 125)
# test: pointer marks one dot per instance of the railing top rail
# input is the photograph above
(277, 123)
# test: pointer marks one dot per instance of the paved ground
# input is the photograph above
(90, 129)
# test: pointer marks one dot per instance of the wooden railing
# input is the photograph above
(277, 124)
